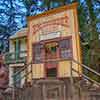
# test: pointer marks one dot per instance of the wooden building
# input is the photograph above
(45, 50)
(53, 39)
(16, 58)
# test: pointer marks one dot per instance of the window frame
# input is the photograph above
(43, 42)
(67, 49)
(33, 54)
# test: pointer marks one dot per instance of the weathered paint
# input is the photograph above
(38, 71)
(64, 69)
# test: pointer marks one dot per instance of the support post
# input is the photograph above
(31, 72)
(13, 92)
(71, 80)
(71, 73)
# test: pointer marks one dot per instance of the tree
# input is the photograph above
(88, 23)
(94, 51)
(12, 18)
(50, 4)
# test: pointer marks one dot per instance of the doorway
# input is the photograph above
(51, 72)
(51, 69)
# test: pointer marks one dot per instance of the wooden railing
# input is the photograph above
(27, 69)
(15, 57)
(80, 73)
(29, 66)
(84, 75)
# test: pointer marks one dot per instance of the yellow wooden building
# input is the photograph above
(53, 39)
(47, 58)
(50, 42)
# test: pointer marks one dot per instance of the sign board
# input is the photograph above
(50, 35)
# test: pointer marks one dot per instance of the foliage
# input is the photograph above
(13, 15)
(89, 18)
(12, 18)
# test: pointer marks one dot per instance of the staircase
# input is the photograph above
(81, 88)
(89, 89)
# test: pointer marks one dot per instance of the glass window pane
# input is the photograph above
(65, 49)
(65, 44)
(37, 53)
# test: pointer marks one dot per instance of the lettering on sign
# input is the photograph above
(50, 35)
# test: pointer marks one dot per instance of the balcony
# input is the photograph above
(15, 57)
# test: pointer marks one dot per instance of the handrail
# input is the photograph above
(22, 69)
(72, 60)
(18, 72)
(85, 76)
(88, 78)
(21, 77)
(61, 60)
(88, 68)
(26, 66)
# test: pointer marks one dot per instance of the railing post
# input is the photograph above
(13, 92)
(71, 73)
(71, 80)
(26, 73)
(31, 71)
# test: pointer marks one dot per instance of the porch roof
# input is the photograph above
(19, 34)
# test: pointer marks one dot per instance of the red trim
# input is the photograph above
(49, 41)
(51, 65)
(53, 40)
(62, 21)
(56, 66)
(58, 53)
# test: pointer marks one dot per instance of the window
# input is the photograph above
(65, 48)
(37, 53)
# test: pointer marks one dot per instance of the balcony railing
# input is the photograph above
(15, 57)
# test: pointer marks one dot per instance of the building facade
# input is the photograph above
(45, 50)
(53, 39)
(50, 42)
